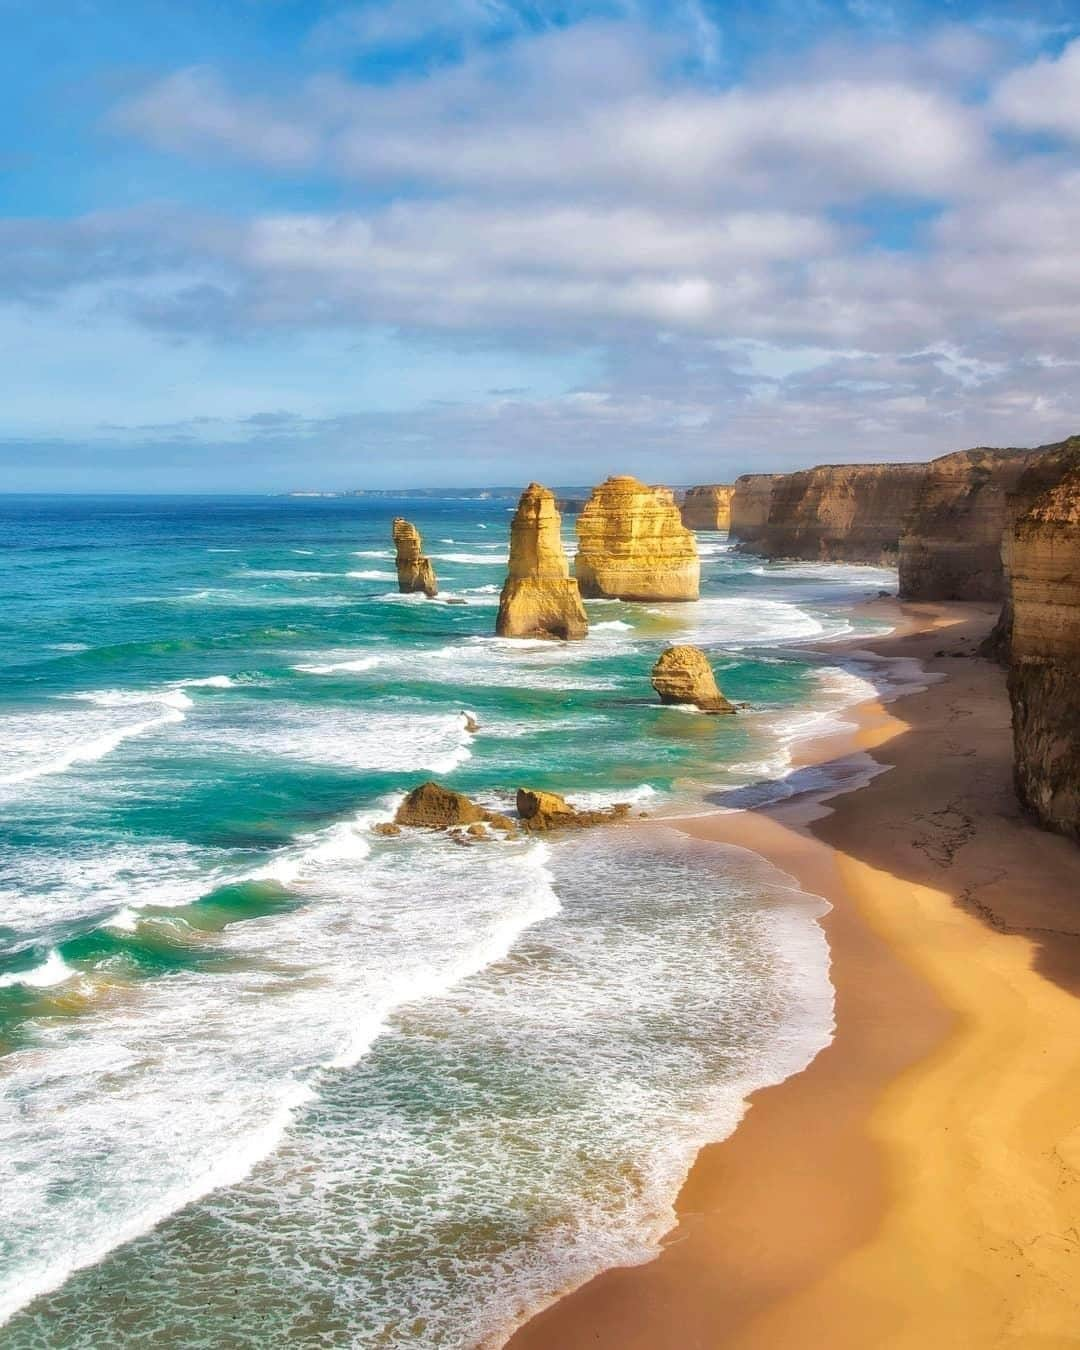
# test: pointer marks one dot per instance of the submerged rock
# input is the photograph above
(540, 598)
(632, 545)
(683, 675)
(386, 827)
(415, 572)
(541, 811)
(708, 507)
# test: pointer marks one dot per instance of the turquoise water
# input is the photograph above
(267, 1078)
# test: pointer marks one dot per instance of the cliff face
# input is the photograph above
(750, 504)
(841, 512)
(632, 545)
(708, 507)
(1044, 678)
(951, 546)
(540, 598)
(414, 571)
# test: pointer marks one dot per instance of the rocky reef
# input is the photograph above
(632, 545)
(951, 546)
(540, 598)
(683, 675)
(840, 513)
(751, 501)
(708, 507)
(434, 807)
(1044, 677)
(540, 811)
(414, 571)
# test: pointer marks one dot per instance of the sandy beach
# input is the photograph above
(919, 1184)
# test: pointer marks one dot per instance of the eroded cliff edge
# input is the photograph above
(751, 502)
(708, 507)
(841, 513)
(951, 545)
(1044, 676)
(632, 545)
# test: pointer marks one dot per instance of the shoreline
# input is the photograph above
(918, 1182)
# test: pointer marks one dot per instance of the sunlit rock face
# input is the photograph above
(684, 675)
(415, 573)
(841, 513)
(1044, 676)
(632, 545)
(951, 546)
(540, 597)
(708, 507)
(751, 502)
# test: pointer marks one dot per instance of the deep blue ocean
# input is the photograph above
(268, 1079)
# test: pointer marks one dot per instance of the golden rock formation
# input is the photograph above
(1044, 677)
(708, 507)
(540, 597)
(414, 571)
(683, 675)
(436, 807)
(632, 545)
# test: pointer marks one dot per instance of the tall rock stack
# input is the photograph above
(751, 501)
(414, 572)
(540, 598)
(951, 547)
(708, 507)
(1044, 677)
(632, 545)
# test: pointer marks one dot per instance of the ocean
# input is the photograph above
(269, 1079)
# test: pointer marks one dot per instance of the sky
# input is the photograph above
(262, 245)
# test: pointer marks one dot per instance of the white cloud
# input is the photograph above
(1044, 96)
(192, 111)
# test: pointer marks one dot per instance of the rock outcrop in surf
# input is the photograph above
(708, 507)
(632, 545)
(540, 811)
(540, 598)
(682, 674)
(415, 572)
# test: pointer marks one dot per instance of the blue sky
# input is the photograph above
(271, 244)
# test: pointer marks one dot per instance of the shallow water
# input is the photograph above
(270, 1079)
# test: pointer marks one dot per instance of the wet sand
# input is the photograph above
(919, 1184)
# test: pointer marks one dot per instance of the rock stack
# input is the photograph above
(684, 675)
(540, 598)
(708, 507)
(632, 545)
(751, 501)
(1044, 677)
(414, 572)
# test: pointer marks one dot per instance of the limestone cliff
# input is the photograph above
(1044, 678)
(540, 597)
(708, 507)
(951, 545)
(414, 572)
(751, 501)
(632, 544)
(1044, 467)
(683, 675)
(840, 512)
